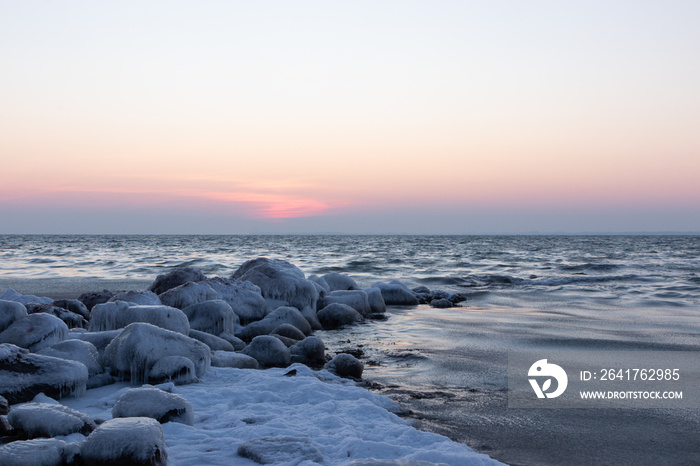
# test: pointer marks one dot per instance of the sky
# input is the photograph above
(420, 117)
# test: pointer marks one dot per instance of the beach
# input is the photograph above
(447, 367)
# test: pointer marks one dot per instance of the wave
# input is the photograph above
(497, 279)
(589, 267)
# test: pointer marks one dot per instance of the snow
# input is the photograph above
(345, 422)
(36, 331)
(267, 450)
(49, 420)
(154, 403)
(134, 440)
(119, 314)
(39, 452)
(12, 295)
(140, 345)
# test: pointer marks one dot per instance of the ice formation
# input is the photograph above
(339, 281)
(187, 295)
(356, 299)
(49, 420)
(237, 360)
(268, 351)
(12, 295)
(36, 331)
(176, 278)
(375, 300)
(76, 350)
(154, 403)
(396, 292)
(39, 452)
(245, 298)
(336, 315)
(140, 345)
(213, 317)
(212, 341)
(310, 351)
(175, 369)
(283, 449)
(139, 297)
(137, 441)
(119, 314)
(281, 315)
(10, 311)
(346, 365)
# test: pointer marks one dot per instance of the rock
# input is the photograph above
(154, 403)
(138, 297)
(268, 450)
(92, 298)
(421, 290)
(237, 360)
(311, 317)
(10, 311)
(450, 296)
(23, 375)
(441, 303)
(289, 331)
(356, 299)
(279, 281)
(213, 317)
(5, 428)
(187, 295)
(396, 293)
(236, 342)
(288, 342)
(71, 319)
(176, 369)
(12, 295)
(375, 300)
(337, 315)
(4, 406)
(281, 315)
(73, 305)
(49, 420)
(119, 314)
(76, 350)
(338, 281)
(346, 365)
(137, 441)
(213, 342)
(320, 283)
(310, 351)
(39, 452)
(140, 345)
(36, 331)
(176, 278)
(245, 298)
(268, 351)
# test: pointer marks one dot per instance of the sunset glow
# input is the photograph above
(309, 110)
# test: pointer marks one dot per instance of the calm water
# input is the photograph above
(449, 366)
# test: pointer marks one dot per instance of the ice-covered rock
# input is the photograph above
(396, 292)
(4, 406)
(356, 299)
(119, 314)
(288, 342)
(336, 315)
(176, 369)
(375, 300)
(320, 283)
(339, 281)
(76, 350)
(237, 360)
(49, 420)
(71, 319)
(245, 298)
(448, 295)
(12, 295)
(92, 298)
(441, 303)
(289, 331)
(10, 311)
(236, 342)
(310, 351)
(99, 339)
(134, 441)
(213, 317)
(38, 452)
(36, 331)
(279, 280)
(268, 450)
(281, 315)
(401, 462)
(268, 351)
(346, 365)
(73, 305)
(140, 345)
(154, 403)
(213, 342)
(176, 278)
(187, 295)
(23, 375)
(139, 297)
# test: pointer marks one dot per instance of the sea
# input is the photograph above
(448, 367)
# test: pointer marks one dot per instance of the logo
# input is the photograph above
(543, 369)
